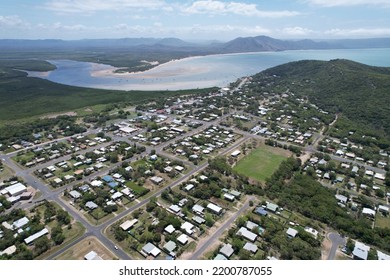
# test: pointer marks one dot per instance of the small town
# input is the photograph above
(240, 173)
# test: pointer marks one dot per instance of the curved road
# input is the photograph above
(337, 241)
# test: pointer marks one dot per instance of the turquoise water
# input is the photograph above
(197, 72)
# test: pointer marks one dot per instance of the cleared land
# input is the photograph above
(78, 251)
(382, 222)
(261, 163)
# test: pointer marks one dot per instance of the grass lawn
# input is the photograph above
(78, 251)
(24, 156)
(6, 172)
(139, 190)
(76, 231)
(261, 163)
(382, 222)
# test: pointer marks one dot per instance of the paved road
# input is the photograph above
(198, 253)
(337, 241)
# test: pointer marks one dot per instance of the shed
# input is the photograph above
(92, 256)
(35, 236)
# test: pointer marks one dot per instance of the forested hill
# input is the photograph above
(359, 92)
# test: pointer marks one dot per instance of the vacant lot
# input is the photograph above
(261, 163)
(78, 251)
(382, 222)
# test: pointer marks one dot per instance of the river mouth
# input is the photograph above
(195, 72)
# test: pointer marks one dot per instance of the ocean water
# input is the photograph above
(196, 72)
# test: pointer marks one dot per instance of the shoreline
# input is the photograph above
(112, 73)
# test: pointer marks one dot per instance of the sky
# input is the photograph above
(194, 20)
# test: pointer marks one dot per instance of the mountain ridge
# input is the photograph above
(240, 44)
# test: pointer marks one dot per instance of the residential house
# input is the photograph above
(291, 233)
(251, 247)
(244, 232)
(214, 208)
(227, 250)
(150, 249)
(360, 251)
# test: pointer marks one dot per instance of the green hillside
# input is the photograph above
(360, 93)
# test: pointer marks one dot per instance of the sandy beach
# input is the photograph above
(160, 71)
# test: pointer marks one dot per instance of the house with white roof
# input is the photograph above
(20, 223)
(150, 249)
(183, 239)
(291, 233)
(198, 209)
(214, 208)
(16, 189)
(368, 212)
(244, 232)
(227, 250)
(382, 256)
(92, 256)
(169, 229)
(251, 247)
(360, 251)
(188, 227)
(128, 224)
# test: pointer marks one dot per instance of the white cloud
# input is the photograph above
(358, 32)
(213, 7)
(91, 6)
(336, 3)
(12, 21)
(60, 26)
(297, 31)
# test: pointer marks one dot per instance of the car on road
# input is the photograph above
(116, 247)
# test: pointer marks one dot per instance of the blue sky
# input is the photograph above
(194, 19)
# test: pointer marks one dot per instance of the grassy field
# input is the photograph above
(78, 251)
(261, 163)
(76, 231)
(137, 189)
(6, 172)
(382, 222)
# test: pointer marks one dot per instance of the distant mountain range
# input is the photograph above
(247, 44)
